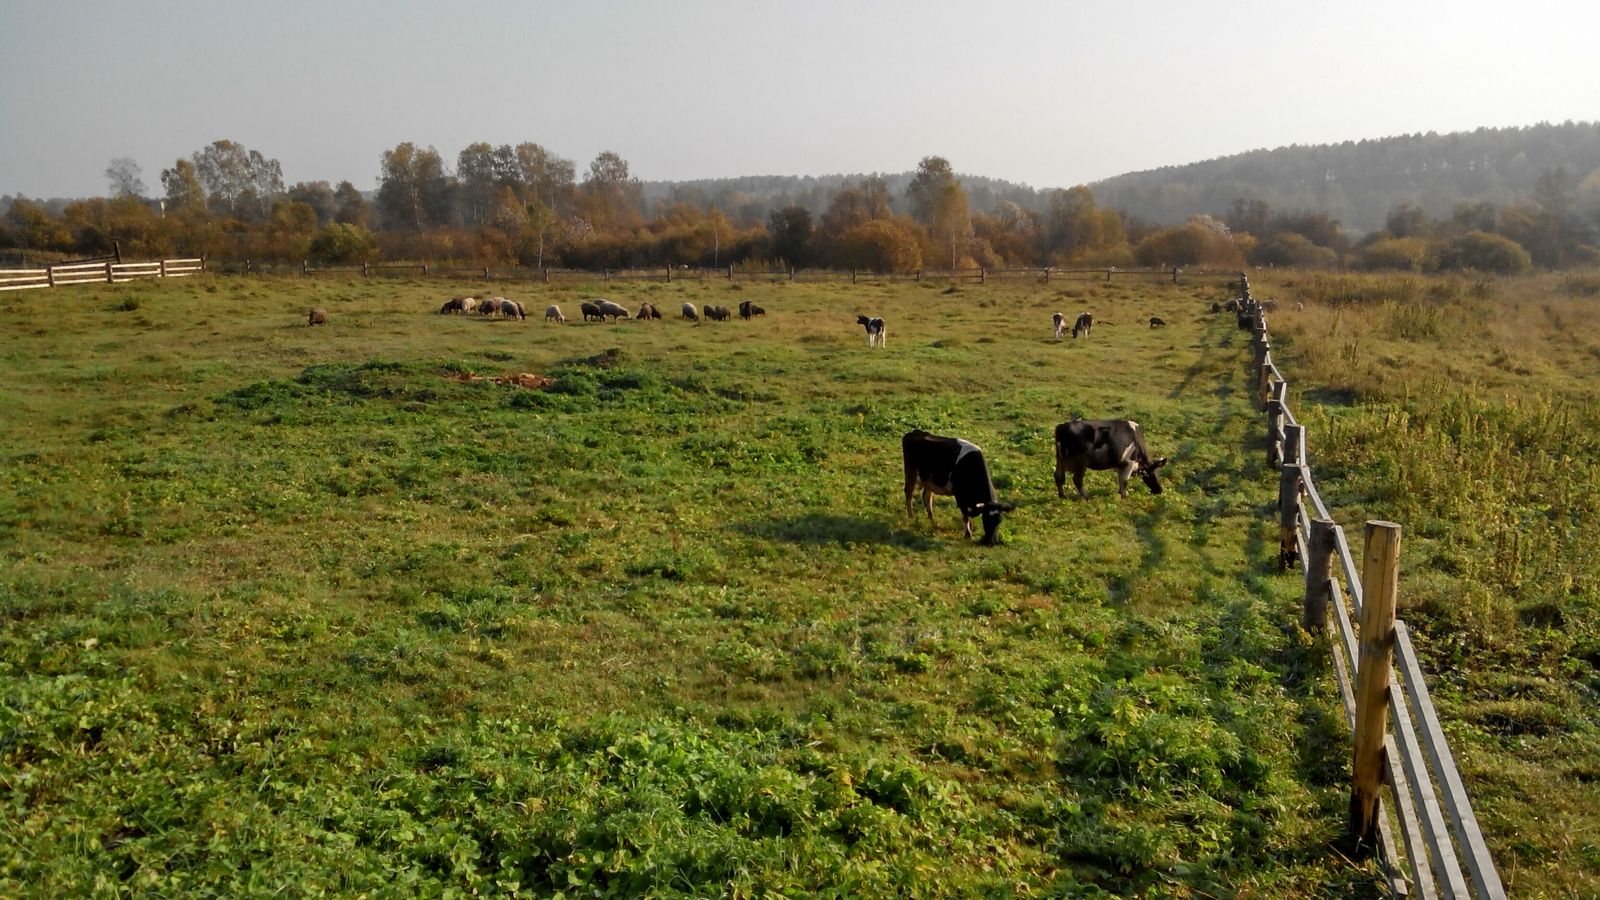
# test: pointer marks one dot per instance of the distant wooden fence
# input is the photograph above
(1442, 845)
(724, 273)
(99, 272)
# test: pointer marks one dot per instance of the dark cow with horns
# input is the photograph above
(1101, 444)
(951, 467)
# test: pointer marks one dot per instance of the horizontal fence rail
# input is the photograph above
(108, 272)
(1044, 275)
(1442, 851)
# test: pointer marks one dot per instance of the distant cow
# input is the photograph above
(591, 311)
(1157, 322)
(689, 312)
(1102, 444)
(614, 310)
(554, 312)
(951, 467)
(875, 330)
(648, 311)
(316, 317)
(1059, 323)
(1081, 327)
(748, 310)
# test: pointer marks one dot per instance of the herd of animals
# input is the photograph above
(935, 464)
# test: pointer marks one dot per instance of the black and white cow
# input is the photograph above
(1102, 444)
(1059, 322)
(614, 310)
(1081, 327)
(951, 467)
(875, 330)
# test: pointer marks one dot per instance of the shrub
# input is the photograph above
(1406, 254)
(1485, 252)
(342, 243)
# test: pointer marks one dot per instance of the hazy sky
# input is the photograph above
(1051, 94)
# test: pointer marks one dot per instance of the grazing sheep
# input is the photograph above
(1231, 306)
(614, 310)
(1059, 322)
(1157, 322)
(316, 317)
(468, 304)
(690, 313)
(454, 305)
(876, 332)
(554, 312)
(648, 311)
(511, 308)
(591, 311)
(717, 313)
(748, 310)
(1299, 305)
(1081, 327)
(489, 307)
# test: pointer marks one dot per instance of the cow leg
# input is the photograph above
(1077, 482)
(966, 521)
(927, 504)
(1061, 474)
(1123, 474)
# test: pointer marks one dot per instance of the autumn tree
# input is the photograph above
(611, 198)
(928, 188)
(185, 195)
(125, 177)
(352, 208)
(318, 195)
(414, 190)
(239, 183)
(790, 229)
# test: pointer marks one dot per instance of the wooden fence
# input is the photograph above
(103, 272)
(1442, 852)
(723, 273)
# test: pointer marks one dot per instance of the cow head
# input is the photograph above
(989, 513)
(1148, 473)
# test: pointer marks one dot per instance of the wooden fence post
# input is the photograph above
(164, 268)
(1319, 576)
(1275, 410)
(305, 266)
(1174, 274)
(1380, 576)
(1289, 480)
(1046, 274)
(983, 276)
(791, 273)
(1109, 270)
(110, 276)
(730, 272)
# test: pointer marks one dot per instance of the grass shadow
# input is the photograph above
(823, 528)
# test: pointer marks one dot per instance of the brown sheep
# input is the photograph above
(316, 317)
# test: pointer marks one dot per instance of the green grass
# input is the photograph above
(303, 609)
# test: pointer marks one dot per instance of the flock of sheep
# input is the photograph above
(598, 310)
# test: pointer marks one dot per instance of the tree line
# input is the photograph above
(524, 205)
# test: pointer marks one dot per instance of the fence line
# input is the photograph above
(544, 274)
(107, 272)
(1443, 846)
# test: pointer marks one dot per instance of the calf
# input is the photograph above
(1102, 444)
(591, 311)
(1157, 322)
(1059, 322)
(614, 310)
(316, 317)
(875, 330)
(554, 312)
(951, 467)
(1081, 327)
(690, 313)
(648, 311)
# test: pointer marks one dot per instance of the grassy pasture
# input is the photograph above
(302, 609)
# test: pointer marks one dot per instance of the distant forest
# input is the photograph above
(1499, 200)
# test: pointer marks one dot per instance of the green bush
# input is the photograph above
(1485, 252)
(343, 243)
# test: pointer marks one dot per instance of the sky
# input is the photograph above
(1049, 94)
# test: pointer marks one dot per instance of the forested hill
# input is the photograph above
(1359, 182)
(751, 198)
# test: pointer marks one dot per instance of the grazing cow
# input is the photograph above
(1081, 327)
(648, 311)
(1102, 444)
(1059, 323)
(690, 313)
(510, 308)
(316, 317)
(614, 310)
(951, 467)
(1157, 322)
(591, 311)
(875, 330)
(554, 312)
